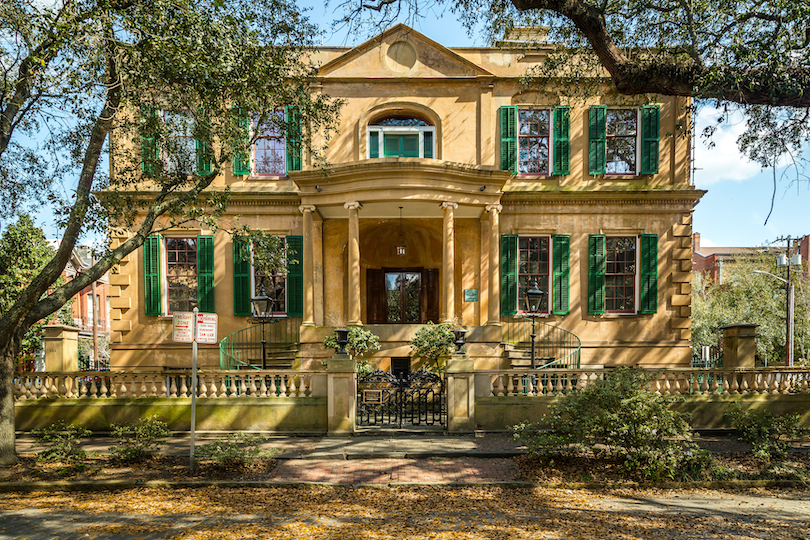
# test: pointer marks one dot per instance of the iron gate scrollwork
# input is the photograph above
(416, 399)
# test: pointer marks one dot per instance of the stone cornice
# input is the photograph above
(629, 197)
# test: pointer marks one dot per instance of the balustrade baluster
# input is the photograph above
(510, 387)
(293, 389)
(735, 384)
(103, 390)
(253, 389)
(203, 386)
(548, 388)
(283, 389)
(263, 387)
(183, 387)
(27, 388)
(123, 389)
(153, 390)
(499, 383)
(223, 387)
(173, 387)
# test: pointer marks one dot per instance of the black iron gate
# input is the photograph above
(416, 399)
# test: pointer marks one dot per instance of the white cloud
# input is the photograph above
(723, 161)
(706, 242)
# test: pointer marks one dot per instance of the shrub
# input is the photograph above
(433, 341)
(360, 342)
(61, 441)
(619, 416)
(235, 451)
(768, 434)
(139, 442)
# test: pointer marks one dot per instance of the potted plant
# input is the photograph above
(360, 342)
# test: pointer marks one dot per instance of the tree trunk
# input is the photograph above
(8, 453)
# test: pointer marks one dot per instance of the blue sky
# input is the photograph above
(734, 210)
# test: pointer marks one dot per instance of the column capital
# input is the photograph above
(354, 205)
(447, 204)
(497, 208)
(304, 208)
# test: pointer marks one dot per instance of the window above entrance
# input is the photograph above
(401, 136)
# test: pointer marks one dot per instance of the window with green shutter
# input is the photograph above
(204, 153)
(153, 302)
(295, 277)
(508, 122)
(650, 135)
(241, 280)
(240, 165)
(509, 271)
(596, 274)
(560, 273)
(374, 144)
(596, 139)
(205, 274)
(562, 140)
(648, 301)
(294, 138)
(401, 136)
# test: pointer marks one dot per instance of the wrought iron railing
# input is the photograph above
(554, 347)
(243, 348)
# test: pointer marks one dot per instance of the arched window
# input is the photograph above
(401, 136)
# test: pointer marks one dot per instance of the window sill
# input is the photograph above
(623, 176)
(618, 315)
(265, 177)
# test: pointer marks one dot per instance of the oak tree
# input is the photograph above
(135, 80)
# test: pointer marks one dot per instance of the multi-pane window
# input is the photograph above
(401, 136)
(180, 154)
(620, 274)
(533, 140)
(533, 264)
(270, 148)
(181, 274)
(621, 141)
(275, 287)
(402, 291)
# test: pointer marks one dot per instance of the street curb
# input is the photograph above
(118, 485)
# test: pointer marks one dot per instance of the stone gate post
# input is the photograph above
(460, 393)
(341, 388)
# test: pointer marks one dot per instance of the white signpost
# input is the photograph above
(194, 328)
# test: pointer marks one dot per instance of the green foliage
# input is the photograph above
(360, 342)
(139, 442)
(620, 417)
(235, 451)
(744, 296)
(433, 341)
(24, 251)
(269, 254)
(768, 434)
(61, 441)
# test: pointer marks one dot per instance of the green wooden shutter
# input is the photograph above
(205, 274)
(650, 134)
(374, 144)
(205, 164)
(293, 118)
(241, 281)
(596, 139)
(509, 154)
(152, 301)
(409, 145)
(149, 146)
(428, 145)
(509, 284)
(562, 140)
(390, 145)
(295, 277)
(240, 164)
(648, 303)
(596, 274)
(560, 274)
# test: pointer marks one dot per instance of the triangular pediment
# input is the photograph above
(400, 52)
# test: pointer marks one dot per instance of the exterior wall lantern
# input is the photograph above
(402, 244)
(261, 307)
(534, 301)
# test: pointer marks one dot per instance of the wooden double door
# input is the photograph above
(402, 295)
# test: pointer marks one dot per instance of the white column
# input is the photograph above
(494, 301)
(448, 263)
(354, 263)
(309, 265)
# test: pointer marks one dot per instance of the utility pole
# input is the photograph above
(787, 262)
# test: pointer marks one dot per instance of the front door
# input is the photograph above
(402, 295)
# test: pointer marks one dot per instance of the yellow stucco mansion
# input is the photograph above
(451, 190)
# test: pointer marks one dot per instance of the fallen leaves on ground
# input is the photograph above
(320, 512)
